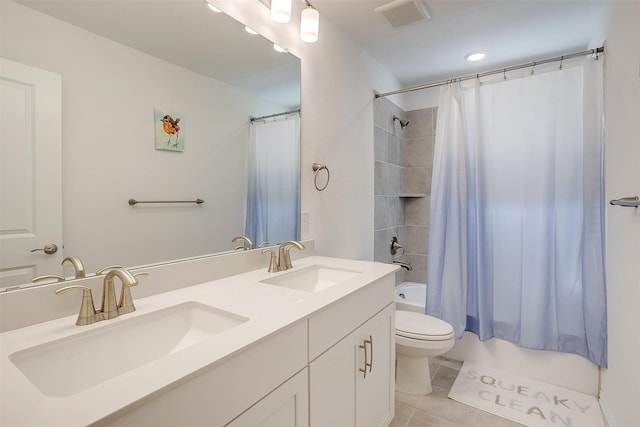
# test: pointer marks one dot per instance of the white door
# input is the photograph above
(30, 173)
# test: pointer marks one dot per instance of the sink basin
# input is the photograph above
(69, 365)
(315, 278)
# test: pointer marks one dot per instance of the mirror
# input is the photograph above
(124, 65)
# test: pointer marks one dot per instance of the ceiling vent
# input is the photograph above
(403, 12)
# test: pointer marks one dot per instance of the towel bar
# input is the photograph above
(135, 202)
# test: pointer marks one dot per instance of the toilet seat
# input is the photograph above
(419, 326)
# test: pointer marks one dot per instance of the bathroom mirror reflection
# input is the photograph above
(124, 66)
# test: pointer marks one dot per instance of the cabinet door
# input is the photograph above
(286, 406)
(375, 391)
(341, 394)
(332, 386)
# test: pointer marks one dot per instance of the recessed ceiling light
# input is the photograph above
(475, 56)
(250, 31)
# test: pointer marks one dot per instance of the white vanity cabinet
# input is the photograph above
(269, 373)
(286, 406)
(353, 382)
(299, 358)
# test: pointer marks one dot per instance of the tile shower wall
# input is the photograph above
(389, 172)
(403, 164)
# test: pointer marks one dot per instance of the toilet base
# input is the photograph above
(413, 375)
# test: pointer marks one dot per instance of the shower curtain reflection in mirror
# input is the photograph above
(516, 241)
(274, 180)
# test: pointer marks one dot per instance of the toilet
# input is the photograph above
(418, 337)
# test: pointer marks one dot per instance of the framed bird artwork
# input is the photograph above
(169, 130)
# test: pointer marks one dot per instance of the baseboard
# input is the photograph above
(607, 413)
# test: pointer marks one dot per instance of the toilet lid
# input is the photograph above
(421, 326)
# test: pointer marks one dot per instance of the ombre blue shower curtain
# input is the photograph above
(274, 177)
(516, 236)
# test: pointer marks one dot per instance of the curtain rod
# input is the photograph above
(254, 119)
(496, 71)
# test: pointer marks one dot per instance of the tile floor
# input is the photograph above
(436, 409)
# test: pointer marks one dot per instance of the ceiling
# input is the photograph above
(186, 33)
(510, 32)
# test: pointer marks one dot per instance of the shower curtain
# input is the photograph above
(516, 241)
(273, 193)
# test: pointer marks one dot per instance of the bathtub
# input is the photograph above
(411, 296)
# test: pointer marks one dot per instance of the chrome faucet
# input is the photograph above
(282, 261)
(245, 239)
(107, 268)
(77, 266)
(404, 265)
(284, 257)
(109, 308)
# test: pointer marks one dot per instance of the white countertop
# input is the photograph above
(268, 308)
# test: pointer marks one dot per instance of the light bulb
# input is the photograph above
(250, 30)
(281, 11)
(475, 56)
(212, 7)
(279, 48)
(309, 24)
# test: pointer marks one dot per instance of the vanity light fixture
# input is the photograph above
(281, 11)
(250, 30)
(475, 56)
(279, 48)
(212, 7)
(309, 23)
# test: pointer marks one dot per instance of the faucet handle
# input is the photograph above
(48, 277)
(273, 264)
(126, 300)
(87, 314)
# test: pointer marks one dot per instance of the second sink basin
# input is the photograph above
(315, 278)
(69, 365)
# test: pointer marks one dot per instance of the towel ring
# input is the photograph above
(317, 167)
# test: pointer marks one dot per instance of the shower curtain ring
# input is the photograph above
(317, 167)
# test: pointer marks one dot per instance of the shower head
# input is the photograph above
(403, 123)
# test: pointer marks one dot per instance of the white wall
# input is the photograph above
(621, 382)
(338, 82)
(109, 92)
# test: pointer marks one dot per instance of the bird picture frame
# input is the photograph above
(169, 130)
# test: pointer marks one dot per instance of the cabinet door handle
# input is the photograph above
(368, 356)
(371, 353)
(364, 370)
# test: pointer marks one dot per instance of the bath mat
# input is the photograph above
(524, 400)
